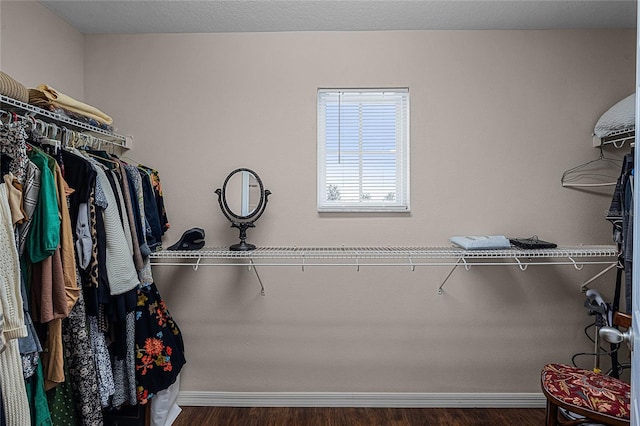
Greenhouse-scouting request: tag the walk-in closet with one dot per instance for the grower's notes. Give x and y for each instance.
(239, 204)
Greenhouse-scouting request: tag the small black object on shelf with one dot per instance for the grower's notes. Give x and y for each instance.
(192, 239)
(532, 243)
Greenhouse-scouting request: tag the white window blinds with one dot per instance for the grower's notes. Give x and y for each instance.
(363, 150)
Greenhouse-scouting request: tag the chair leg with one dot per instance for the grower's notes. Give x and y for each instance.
(551, 414)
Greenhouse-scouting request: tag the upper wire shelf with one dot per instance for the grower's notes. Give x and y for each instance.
(14, 105)
(617, 139)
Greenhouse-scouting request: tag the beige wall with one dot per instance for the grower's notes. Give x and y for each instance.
(496, 117)
(38, 47)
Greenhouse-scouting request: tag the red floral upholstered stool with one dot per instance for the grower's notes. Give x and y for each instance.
(595, 396)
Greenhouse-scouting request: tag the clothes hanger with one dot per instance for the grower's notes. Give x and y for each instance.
(87, 147)
(594, 173)
(50, 137)
(102, 159)
(137, 164)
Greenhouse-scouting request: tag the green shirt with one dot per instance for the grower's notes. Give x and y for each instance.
(44, 234)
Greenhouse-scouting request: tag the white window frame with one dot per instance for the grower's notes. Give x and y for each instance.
(358, 200)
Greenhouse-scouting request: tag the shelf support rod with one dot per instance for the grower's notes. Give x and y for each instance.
(262, 292)
(583, 287)
(440, 291)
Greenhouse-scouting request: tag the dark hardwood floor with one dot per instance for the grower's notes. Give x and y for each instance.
(279, 416)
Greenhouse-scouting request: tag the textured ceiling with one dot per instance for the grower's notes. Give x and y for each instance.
(184, 16)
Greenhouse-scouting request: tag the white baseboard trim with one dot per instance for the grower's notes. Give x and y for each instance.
(362, 399)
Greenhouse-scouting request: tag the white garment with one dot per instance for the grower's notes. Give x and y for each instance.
(10, 294)
(14, 394)
(121, 270)
(164, 408)
(84, 243)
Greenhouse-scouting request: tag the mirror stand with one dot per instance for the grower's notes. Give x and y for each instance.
(243, 245)
(243, 190)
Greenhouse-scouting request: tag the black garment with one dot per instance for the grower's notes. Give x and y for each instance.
(151, 212)
(96, 298)
(620, 214)
(159, 345)
(3, 421)
(628, 242)
(81, 177)
(5, 164)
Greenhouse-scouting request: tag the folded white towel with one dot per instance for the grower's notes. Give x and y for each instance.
(481, 242)
(621, 116)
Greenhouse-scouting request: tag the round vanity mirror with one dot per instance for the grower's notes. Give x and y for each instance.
(242, 200)
(243, 193)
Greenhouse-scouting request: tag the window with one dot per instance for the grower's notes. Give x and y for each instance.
(363, 150)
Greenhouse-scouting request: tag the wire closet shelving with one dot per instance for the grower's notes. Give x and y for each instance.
(23, 109)
(411, 257)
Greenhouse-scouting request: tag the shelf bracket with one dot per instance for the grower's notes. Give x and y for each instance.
(461, 259)
(583, 287)
(251, 264)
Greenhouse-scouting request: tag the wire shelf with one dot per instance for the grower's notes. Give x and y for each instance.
(411, 255)
(14, 105)
(578, 256)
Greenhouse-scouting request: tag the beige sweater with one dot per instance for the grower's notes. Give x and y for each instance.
(14, 395)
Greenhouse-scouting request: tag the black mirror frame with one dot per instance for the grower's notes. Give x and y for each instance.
(242, 222)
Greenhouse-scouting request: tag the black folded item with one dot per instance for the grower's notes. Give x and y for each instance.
(532, 243)
(192, 239)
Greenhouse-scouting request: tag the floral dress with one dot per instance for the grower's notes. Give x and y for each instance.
(159, 347)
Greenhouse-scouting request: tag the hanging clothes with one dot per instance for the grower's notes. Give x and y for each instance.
(121, 272)
(15, 403)
(620, 214)
(77, 281)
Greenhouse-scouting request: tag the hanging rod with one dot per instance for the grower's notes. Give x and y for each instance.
(23, 109)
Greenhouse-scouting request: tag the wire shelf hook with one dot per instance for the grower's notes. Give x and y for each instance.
(575, 264)
(197, 265)
(522, 266)
(466, 265)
